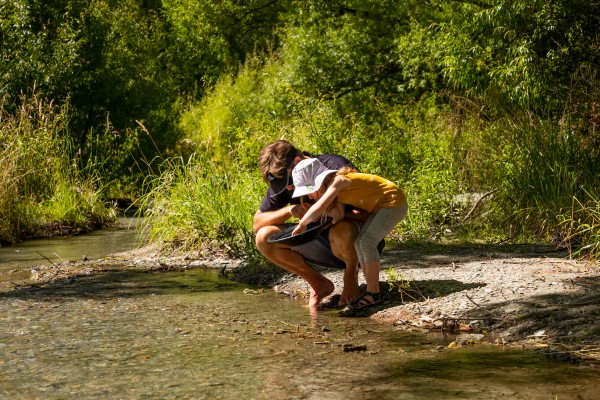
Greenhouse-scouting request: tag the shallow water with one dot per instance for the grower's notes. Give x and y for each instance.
(16, 260)
(194, 335)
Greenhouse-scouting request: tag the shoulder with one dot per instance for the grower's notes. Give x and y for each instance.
(273, 203)
(334, 161)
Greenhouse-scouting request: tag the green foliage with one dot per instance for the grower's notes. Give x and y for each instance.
(451, 99)
(209, 38)
(230, 120)
(260, 105)
(521, 52)
(582, 228)
(40, 187)
(535, 168)
(103, 58)
(396, 280)
(406, 288)
(194, 203)
(110, 158)
(546, 169)
(336, 48)
(431, 191)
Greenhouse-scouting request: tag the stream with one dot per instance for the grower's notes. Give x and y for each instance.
(193, 335)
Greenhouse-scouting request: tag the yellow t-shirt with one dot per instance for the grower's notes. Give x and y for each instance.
(371, 192)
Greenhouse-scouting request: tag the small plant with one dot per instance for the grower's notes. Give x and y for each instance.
(405, 287)
(42, 190)
(582, 236)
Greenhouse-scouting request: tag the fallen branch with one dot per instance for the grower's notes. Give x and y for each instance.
(472, 301)
(491, 192)
(47, 259)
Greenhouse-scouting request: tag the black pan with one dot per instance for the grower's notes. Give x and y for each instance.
(312, 232)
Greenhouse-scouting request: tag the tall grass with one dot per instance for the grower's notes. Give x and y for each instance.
(542, 169)
(545, 178)
(41, 188)
(582, 227)
(195, 205)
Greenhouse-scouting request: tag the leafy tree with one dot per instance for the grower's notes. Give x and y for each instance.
(123, 66)
(526, 53)
(102, 57)
(339, 47)
(208, 38)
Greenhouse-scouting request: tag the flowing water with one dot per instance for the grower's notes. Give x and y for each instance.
(193, 335)
(16, 260)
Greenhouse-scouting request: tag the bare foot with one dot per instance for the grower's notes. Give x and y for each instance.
(319, 293)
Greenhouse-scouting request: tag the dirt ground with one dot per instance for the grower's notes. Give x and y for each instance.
(526, 296)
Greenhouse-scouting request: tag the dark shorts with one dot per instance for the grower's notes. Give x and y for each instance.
(319, 252)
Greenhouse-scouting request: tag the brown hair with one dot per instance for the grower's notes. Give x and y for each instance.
(345, 170)
(273, 158)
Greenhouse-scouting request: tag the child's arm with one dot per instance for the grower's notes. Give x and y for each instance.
(315, 212)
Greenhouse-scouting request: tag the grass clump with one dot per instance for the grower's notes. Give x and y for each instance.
(540, 179)
(582, 228)
(42, 191)
(196, 203)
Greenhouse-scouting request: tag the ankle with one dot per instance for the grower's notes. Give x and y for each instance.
(373, 289)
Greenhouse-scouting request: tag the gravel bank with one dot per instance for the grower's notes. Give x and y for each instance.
(519, 295)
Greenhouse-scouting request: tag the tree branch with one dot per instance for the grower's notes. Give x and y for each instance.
(491, 192)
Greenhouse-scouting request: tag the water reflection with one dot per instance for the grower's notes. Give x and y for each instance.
(16, 260)
(192, 335)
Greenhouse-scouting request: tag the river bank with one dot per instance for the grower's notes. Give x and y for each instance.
(514, 296)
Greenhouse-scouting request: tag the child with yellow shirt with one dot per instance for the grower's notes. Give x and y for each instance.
(332, 190)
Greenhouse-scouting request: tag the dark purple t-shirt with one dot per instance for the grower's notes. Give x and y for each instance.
(273, 203)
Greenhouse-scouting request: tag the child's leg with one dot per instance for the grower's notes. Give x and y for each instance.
(371, 271)
(376, 228)
(342, 245)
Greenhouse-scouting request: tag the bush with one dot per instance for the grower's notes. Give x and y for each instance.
(193, 203)
(40, 186)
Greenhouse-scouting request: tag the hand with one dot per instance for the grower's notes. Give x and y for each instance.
(299, 229)
(336, 215)
(299, 210)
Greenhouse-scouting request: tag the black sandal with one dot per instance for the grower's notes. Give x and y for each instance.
(333, 303)
(366, 300)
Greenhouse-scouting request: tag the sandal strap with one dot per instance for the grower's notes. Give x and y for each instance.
(363, 300)
(376, 296)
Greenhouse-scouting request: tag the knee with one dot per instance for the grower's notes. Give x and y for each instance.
(261, 238)
(344, 232)
(368, 247)
(366, 241)
(342, 237)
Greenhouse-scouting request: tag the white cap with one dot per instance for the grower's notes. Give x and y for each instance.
(308, 176)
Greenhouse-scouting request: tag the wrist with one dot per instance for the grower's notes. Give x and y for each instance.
(290, 211)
